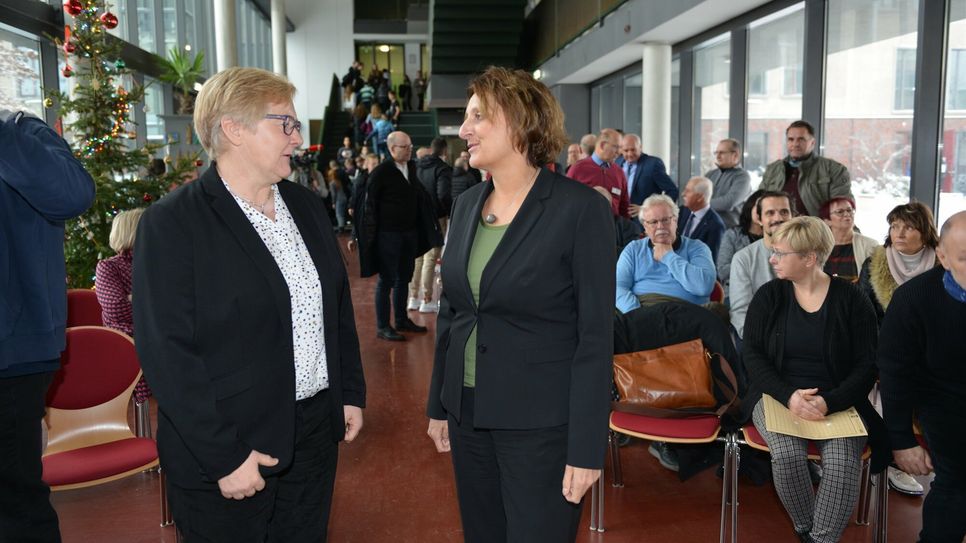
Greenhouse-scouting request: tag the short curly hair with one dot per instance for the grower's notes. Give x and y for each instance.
(532, 114)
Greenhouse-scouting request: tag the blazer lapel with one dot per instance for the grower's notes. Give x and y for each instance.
(463, 239)
(227, 209)
(526, 218)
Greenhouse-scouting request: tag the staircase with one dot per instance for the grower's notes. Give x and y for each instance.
(336, 127)
(420, 125)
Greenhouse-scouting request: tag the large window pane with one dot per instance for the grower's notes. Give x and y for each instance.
(170, 23)
(868, 99)
(632, 104)
(675, 119)
(146, 34)
(610, 110)
(775, 53)
(189, 26)
(20, 73)
(119, 8)
(952, 175)
(712, 67)
(153, 100)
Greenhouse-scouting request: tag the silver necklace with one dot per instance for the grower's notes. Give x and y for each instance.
(491, 218)
(257, 207)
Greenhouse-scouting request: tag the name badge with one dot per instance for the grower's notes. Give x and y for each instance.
(616, 191)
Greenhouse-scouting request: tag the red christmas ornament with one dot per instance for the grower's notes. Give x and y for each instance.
(199, 163)
(73, 7)
(69, 48)
(109, 20)
(147, 197)
(67, 71)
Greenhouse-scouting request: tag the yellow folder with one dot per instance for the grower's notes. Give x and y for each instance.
(780, 420)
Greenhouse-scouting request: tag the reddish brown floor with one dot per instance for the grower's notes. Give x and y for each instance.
(393, 487)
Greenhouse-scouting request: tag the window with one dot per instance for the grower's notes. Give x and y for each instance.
(775, 47)
(146, 34)
(675, 119)
(712, 75)
(20, 73)
(119, 8)
(867, 131)
(633, 113)
(153, 94)
(905, 78)
(952, 167)
(169, 18)
(757, 83)
(189, 26)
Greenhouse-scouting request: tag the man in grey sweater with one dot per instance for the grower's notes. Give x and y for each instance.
(750, 268)
(732, 184)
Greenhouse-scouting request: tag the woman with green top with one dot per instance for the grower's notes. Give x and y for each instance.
(520, 390)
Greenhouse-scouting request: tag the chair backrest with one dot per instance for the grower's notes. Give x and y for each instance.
(717, 293)
(88, 399)
(83, 309)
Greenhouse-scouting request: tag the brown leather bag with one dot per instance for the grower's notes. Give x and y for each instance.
(671, 381)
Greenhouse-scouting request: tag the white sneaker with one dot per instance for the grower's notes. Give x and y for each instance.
(413, 304)
(901, 481)
(428, 307)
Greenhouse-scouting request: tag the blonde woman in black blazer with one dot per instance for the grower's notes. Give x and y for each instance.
(245, 328)
(521, 381)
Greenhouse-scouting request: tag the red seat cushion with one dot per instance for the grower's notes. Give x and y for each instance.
(99, 461)
(697, 427)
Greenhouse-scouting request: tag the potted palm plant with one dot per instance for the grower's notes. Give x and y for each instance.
(182, 69)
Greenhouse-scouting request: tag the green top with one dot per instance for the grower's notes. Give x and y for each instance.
(484, 245)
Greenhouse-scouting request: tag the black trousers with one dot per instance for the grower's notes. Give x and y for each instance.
(509, 482)
(944, 509)
(293, 507)
(25, 511)
(396, 254)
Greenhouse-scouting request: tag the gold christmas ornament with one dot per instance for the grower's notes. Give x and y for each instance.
(48, 102)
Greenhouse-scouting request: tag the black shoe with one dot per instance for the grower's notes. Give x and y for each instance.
(409, 326)
(389, 334)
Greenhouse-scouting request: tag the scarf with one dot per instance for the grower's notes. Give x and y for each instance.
(927, 259)
(952, 287)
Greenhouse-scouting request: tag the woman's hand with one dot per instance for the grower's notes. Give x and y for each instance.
(806, 405)
(246, 480)
(576, 481)
(353, 421)
(439, 432)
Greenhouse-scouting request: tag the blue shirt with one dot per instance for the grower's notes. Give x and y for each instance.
(687, 273)
(597, 160)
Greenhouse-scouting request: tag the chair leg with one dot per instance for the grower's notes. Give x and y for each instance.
(615, 456)
(865, 490)
(593, 505)
(600, 504)
(142, 419)
(725, 486)
(166, 518)
(880, 523)
(735, 465)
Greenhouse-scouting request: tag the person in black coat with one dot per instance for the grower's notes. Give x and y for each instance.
(520, 389)
(245, 328)
(810, 343)
(462, 179)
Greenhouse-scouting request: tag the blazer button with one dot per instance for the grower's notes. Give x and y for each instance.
(482, 348)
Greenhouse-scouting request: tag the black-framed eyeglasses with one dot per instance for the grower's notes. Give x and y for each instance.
(289, 124)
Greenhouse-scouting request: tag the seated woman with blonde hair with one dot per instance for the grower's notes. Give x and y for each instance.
(810, 343)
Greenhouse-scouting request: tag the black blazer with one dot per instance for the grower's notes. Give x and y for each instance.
(544, 321)
(212, 317)
(709, 229)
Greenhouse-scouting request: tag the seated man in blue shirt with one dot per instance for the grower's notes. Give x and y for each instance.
(662, 263)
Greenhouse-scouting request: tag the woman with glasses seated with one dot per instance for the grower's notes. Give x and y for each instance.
(245, 327)
(810, 343)
(663, 267)
(851, 248)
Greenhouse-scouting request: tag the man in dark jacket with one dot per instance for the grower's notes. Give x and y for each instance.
(41, 186)
(437, 178)
(463, 178)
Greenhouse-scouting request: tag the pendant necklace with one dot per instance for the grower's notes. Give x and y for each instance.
(257, 207)
(491, 218)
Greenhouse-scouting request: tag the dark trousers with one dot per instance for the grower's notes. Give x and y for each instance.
(396, 258)
(509, 482)
(25, 511)
(293, 507)
(944, 509)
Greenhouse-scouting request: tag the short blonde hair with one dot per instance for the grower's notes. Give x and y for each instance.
(242, 94)
(806, 235)
(532, 114)
(124, 226)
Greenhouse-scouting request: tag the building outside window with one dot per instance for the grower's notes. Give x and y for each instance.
(952, 171)
(20, 79)
(870, 46)
(775, 60)
(153, 99)
(146, 33)
(170, 24)
(712, 75)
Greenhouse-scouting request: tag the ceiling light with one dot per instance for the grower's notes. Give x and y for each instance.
(538, 74)
(384, 48)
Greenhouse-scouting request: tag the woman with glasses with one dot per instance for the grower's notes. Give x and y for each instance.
(520, 390)
(245, 327)
(810, 343)
(851, 248)
(663, 267)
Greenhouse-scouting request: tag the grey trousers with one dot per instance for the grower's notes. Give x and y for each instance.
(822, 514)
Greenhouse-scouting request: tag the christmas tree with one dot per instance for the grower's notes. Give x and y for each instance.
(96, 115)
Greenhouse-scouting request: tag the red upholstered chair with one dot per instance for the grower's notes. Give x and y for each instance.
(89, 440)
(717, 293)
(83, 309)
(691, 430)
(751, 437)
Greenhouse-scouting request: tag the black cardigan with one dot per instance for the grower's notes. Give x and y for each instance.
(851, 337)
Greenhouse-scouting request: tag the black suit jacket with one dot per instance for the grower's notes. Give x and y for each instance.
(650, 178)
(709, 229)
(212, 316)
(544, 320)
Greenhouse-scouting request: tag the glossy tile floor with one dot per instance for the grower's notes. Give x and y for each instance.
(393, 487)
